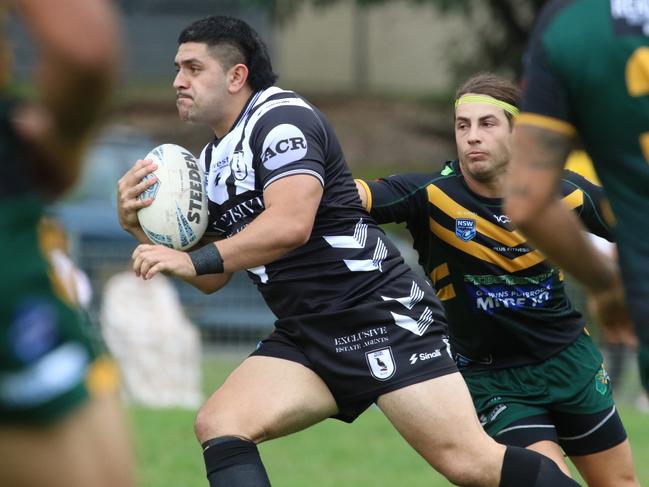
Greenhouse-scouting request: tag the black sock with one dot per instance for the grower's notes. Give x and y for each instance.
(527, 468)
(233, 462)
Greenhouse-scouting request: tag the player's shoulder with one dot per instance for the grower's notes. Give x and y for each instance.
(414, 181)
(416, 184)
(448, 177)
(275, 106)
(571, 180)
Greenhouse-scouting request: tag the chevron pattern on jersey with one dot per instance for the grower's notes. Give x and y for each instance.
(418, 327)
(416, 295)
(358, 241)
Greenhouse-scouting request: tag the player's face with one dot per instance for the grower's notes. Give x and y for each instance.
(483, 139)
(201, 85)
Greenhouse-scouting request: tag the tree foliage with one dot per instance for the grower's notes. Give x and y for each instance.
(503, 26)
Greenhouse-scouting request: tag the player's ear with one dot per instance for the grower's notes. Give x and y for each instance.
(237, 77)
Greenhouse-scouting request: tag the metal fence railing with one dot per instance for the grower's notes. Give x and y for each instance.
(234, 315)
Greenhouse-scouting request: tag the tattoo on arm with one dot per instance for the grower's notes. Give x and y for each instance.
(551, 149)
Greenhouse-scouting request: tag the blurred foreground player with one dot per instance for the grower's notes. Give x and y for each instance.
(603, 99)
(60, 420)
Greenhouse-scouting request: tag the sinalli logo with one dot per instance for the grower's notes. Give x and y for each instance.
(424, 356)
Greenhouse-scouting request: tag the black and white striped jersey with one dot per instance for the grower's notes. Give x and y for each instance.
(348, 257)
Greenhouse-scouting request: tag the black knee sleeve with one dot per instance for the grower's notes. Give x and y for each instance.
(233, 462)
(523, 467)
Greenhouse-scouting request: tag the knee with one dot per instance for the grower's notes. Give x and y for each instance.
(204, 425)
(461, 468)
(464, 474)
(216, 419)
(212, 421)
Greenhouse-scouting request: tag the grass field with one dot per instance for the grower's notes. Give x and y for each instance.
(367, 452)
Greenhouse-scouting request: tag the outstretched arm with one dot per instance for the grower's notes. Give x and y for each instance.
(532, 203)
(286, 223)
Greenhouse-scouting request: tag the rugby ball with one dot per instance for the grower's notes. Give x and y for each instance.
(177, 217)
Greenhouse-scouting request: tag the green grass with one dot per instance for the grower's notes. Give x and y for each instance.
(367, 452)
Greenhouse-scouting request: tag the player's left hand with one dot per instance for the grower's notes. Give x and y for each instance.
(149, 260)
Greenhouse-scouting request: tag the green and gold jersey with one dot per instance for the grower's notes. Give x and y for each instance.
(46, 350)
(587, 75)
(506, 305)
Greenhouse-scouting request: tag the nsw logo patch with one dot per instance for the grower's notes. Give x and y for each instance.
(381, 363)
(284, 144)
(465, 228)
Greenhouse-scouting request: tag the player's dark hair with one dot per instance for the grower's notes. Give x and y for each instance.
(492, 85)
(236, 42)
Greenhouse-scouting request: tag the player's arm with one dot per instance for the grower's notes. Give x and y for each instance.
(78, 45)
(129, 187)
(393, 199)
(286, 223)
(177, 263)
(537, 164)
(293, 187)
(364, 194)
(532, 204)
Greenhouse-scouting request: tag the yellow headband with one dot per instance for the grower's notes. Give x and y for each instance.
(489, 100)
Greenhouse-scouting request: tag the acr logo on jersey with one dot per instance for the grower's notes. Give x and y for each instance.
(465, 228)
(283, 145)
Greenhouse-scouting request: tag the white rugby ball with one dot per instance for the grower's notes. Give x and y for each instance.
(177, 217)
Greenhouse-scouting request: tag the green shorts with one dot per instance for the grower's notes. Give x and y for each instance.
(574, 381)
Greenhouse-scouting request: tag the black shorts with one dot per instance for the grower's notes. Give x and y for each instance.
(380, 345)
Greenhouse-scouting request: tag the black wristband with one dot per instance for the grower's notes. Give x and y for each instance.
(207, 260)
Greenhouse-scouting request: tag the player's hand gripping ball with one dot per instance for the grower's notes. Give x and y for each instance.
(177, 217)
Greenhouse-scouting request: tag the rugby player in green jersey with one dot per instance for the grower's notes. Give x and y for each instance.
(587, 76)
(535, 376)
(60, 422)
